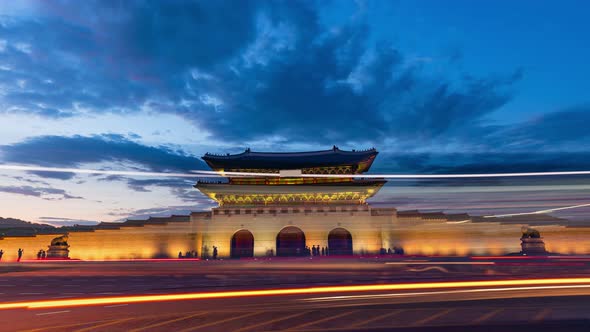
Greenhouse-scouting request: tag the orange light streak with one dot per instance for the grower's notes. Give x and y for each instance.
(288, 291)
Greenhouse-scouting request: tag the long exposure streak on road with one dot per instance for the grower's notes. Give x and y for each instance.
(290, 291)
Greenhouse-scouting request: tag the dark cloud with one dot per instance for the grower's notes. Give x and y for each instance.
(113, 56)
(46, 193)
(248, 71)
(28, 180)
(561, 130)
(59, 151)
(54, 175)
(334, 86)
(243, 70)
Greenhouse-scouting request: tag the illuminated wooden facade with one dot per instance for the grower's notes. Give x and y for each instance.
(267, 190)
(348, 192)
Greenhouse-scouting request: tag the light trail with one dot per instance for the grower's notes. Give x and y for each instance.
(97, 171)
(199, 173)
(462, 291)
(401, 176)
(205, 174)
(536, 212)
(439, 263)
(290, 291)
(459, 222)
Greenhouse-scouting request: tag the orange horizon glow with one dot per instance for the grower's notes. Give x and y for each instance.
(287, 291)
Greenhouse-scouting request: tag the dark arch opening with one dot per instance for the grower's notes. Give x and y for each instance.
(340, 242)
(290, 242)
(242, 244)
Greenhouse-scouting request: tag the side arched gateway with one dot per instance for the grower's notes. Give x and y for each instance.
(242, 244)
(290, 242)
(339, 242)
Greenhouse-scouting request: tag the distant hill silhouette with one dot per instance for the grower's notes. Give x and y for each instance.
(18, 223)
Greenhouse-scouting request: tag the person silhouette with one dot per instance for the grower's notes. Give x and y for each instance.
(43, 254)
(214, 252)
(20, 254)
(1, 254)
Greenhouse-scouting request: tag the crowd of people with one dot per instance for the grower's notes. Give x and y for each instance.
(194, 254)
(188, 254)
(317, 251)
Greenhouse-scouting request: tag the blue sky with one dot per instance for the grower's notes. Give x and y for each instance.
(436, 86)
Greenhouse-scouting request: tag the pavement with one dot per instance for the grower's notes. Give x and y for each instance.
(501, 308)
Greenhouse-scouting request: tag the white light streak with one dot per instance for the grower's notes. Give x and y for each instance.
(459, 222)
(477, 175)
(95, 171)
(402, 176)
(481, 290)
(537, 212)
(199, 173)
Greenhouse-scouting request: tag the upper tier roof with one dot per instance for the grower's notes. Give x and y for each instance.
(249, 160)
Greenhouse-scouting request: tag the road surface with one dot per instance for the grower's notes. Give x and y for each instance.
(423, 304)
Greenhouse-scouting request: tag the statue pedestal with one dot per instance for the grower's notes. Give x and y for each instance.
(533, 246)
(58, 252)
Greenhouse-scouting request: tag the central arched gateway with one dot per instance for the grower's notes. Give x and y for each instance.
(291, 242)
(340, 242)
(242, 244)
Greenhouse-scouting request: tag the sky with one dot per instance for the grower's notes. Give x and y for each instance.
(436, 86)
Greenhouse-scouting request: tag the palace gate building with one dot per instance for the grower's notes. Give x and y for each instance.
(292, 201)
(279, 210)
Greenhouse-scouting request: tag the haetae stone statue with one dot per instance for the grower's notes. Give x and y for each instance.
(60, 241)
(59, 248)
(530, 233)
(531, 242)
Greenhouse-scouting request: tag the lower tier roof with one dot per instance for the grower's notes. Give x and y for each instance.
(247, 195)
